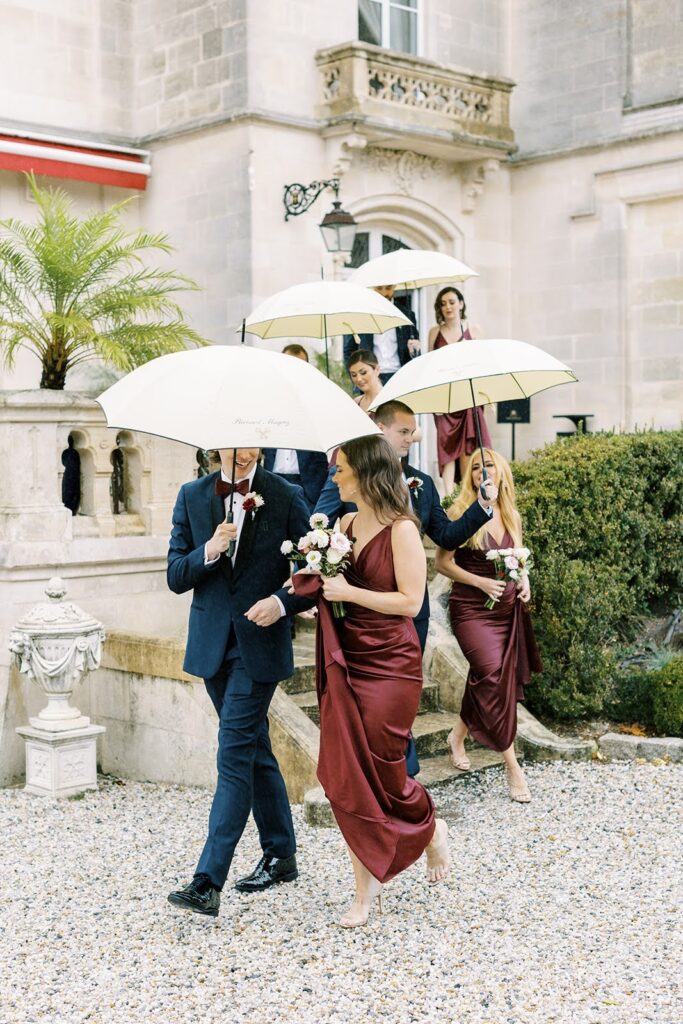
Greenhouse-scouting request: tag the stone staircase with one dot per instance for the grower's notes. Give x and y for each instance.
(445, 672)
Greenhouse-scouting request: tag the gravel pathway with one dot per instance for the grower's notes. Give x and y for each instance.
(565, 910)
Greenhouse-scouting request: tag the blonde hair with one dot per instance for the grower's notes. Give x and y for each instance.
(506, 499)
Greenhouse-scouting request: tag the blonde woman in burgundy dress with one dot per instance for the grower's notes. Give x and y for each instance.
(498, 643)
(369, 679)
(456, 433)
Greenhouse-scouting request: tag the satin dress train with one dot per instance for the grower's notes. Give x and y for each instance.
(369, 681)
(456, 432)
(499, 645)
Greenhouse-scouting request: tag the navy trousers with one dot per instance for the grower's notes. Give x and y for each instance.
(249, 777)
(412, 763)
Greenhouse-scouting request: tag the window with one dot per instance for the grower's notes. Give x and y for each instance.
(389, 23)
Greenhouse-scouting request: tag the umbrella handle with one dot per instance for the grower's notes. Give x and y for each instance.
(477, 427)
(229, 517)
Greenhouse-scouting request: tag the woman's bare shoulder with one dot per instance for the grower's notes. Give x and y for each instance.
(433, 331)
(404, 529)
(345, 520)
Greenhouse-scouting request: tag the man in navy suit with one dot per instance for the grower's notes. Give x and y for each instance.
(394, 348)
(306, 469)
(397, 422)
(239, 643)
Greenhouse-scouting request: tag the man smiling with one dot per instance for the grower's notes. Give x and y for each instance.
(239, 642)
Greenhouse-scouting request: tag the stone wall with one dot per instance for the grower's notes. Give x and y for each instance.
(585, 70)
(114, 565)
(190, 64)
(68, 66)
(468, 34)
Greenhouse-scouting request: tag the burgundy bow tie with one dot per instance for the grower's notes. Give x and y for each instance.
(224, 489)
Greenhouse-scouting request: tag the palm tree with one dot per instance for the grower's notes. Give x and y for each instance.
(78, 288)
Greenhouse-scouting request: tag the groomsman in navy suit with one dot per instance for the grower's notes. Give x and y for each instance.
(239, 643)
(397, 422)
(306, 469)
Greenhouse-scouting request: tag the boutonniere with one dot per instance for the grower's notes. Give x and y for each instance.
(252, 503)
(414, 484)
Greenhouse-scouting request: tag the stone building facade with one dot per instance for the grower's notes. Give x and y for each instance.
(541, 143)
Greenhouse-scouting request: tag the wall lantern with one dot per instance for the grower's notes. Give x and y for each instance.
(337, 227)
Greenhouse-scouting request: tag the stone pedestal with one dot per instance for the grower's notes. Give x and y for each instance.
(62, 763)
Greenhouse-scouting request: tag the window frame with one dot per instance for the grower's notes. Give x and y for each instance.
(385, 8)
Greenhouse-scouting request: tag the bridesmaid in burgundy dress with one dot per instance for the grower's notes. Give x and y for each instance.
(456, 433)
(499, 644)
(369, 679)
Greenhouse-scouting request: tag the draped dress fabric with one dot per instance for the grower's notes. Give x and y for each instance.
(499, 645)
(456, 432)
(369, 681)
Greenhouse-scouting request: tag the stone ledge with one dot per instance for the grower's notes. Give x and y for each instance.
(146, 656)
(538, 743)
(623, 747)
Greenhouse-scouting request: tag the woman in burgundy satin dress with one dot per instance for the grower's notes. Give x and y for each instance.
(369, 679)
(456, 432)
(499, 643)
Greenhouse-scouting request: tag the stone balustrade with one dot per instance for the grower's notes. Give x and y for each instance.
(384, 94)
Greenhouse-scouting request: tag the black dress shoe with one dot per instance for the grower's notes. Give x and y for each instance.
(269, 871)
(199, 896)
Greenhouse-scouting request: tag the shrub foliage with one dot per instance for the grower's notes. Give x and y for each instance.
(603, 515)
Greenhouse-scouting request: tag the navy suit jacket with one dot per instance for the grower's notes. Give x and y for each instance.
(312, 470)
(404, 334)
(434, 522)
(222, 594)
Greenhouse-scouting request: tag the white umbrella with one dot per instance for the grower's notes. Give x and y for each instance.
(411, 268)
(235, 397)
(321, 310)
(473, 373)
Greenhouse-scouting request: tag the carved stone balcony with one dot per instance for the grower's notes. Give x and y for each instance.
(405, 102)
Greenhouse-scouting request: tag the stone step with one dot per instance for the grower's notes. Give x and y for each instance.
(437, 770)
(430, 731)
(434, 772)
(308, 702)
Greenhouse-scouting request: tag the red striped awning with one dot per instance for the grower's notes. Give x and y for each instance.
(61, 158)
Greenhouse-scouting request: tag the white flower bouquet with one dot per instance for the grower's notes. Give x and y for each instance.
(323, 550)
(511, 565)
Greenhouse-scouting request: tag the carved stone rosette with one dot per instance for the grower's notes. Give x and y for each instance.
(55, 645)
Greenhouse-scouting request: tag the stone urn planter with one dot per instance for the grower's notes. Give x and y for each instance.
(55, 645)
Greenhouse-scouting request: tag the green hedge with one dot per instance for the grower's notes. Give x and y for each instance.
(651, 697)
(603, 515)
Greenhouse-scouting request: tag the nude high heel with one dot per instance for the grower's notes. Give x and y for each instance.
(519, 794)
(463, 764)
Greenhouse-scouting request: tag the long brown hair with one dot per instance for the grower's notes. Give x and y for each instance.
(507, 506)
(380, 480)
(437, 304)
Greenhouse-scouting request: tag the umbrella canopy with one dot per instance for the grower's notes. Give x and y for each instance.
(411, 268)
(235, 397)
(323, 309)
(474, 373)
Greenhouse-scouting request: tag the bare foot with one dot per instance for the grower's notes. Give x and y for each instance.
(438, 855)
(358, 913)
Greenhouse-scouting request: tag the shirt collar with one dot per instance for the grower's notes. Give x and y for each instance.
(250, 478)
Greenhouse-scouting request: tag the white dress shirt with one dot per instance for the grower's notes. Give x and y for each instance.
(386, 350)
(286, 461)
(238, 520)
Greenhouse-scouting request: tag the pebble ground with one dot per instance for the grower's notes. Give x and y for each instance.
(565, 910)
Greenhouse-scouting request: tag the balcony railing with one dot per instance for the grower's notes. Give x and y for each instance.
(388, 93)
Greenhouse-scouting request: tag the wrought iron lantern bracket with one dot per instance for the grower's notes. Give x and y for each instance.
(298, 198)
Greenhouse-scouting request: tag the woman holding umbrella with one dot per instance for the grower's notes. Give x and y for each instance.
(497, 641)
(456, 433)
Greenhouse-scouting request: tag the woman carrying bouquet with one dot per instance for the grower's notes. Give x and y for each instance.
(369, 678)
(498, 642)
